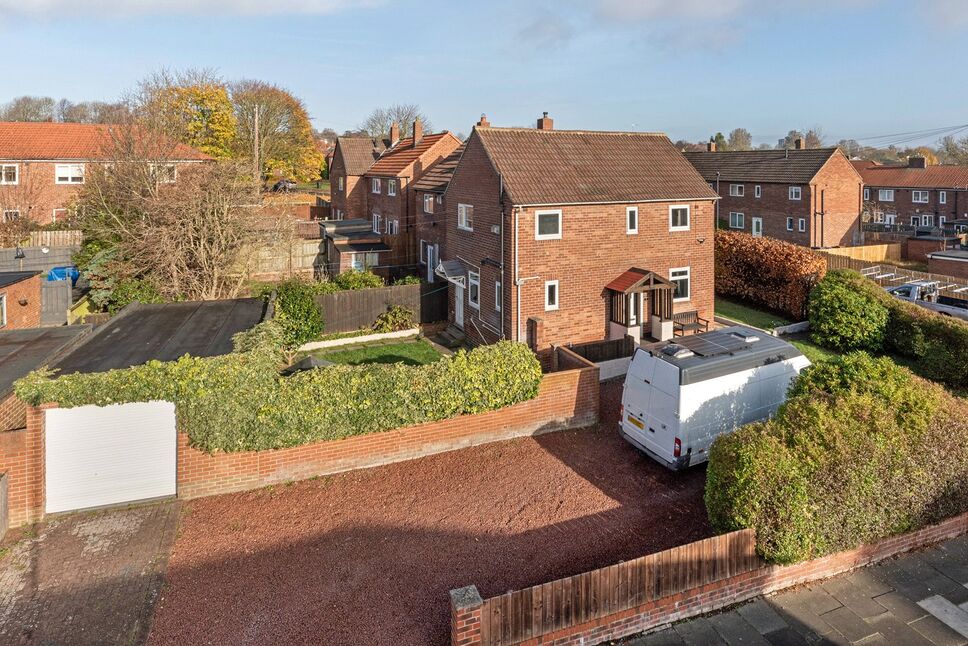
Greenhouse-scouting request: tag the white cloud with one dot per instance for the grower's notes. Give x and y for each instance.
(125, 8)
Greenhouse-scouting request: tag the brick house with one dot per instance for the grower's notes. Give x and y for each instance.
(43, 164)
(352, 157)
(430, 211)
(917, 194)
(352, 245)
(20, 299)
(569, 236)
(811, 197)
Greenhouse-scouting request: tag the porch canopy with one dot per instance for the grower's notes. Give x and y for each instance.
(623, 291)
(453, 272)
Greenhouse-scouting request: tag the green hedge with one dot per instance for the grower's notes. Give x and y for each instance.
(846, 311)
(238, 402)
(862, 450)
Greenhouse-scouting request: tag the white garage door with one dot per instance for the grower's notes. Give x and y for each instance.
(105, 455)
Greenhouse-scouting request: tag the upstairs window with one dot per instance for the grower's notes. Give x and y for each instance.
(69, 173)
(498, 296)
(474, 289)
(737, 220)
(428, 203)
(547, 225)
(11, 215)
(440, 199)
(737, 190)
(919, 197)
(801, 225)
(551, 295)
(885, 195)
(942, 197)
(632, 219)
(757, 191)
(393, 227)
(796, 192)
(465, 217)
(789, 224)
(377, 223)
(391, 187)
(375, 185)
(9, 174)
(867, 194)
(679, 217)
(339, 183)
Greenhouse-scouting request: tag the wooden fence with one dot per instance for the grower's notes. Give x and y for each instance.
(888, 275)
(526, 614)
(870, 252)
(351, 310)
(66, 238)
(598, 351)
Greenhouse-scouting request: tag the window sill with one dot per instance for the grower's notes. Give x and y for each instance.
(540, 238)
(674, 229)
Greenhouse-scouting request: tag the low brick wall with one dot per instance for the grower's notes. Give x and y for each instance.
(470, 626)
(22, 461)
(565, 400)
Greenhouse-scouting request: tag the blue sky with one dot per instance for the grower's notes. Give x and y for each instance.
(855, 68)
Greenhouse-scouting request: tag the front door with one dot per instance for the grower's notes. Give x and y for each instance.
(757, 227)
(459, 307)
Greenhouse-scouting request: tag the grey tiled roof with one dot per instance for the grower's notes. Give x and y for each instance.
(780, 166)
(359, 153)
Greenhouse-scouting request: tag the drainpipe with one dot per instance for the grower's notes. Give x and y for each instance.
(717, 201)
(517, 279)
(504, 281)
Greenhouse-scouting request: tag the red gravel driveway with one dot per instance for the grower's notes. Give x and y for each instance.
(368, 557)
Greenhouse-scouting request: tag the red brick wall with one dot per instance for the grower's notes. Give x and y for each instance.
(565, 400)
(841, 190)
(919, 248)
(23, 316)
(774, 207)
(429, 227)
(22, 460)
(955, 268)
(13, 413)
(956, 205)
(466, 614)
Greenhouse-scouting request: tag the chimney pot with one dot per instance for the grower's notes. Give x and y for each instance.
(483, 123)
(798, 143)
(394, 133)
(417, 132)
(546, 122)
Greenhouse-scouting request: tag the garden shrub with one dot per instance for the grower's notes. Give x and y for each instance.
(843, 318)
(129, 290)
(239, 402)
(409, 279)
(396, 318)
(862, 450)
(297, 312)
(768, 272)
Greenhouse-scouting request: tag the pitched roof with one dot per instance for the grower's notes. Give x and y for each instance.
(396, 160)
(45, 140)
(8, 278)
(581, 167)
(359, 153)
(906, 177)
(781, 166)
(438, 177)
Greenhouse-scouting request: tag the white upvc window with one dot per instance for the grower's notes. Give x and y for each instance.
(915, 220)
(758, 191)
(465, 217)
(474, 289)
(796, 192)
(631, 219)
(885, 195)
(867, 194)
(364, 261)
(3, 310)
(919, 197)
(9, 174)
(679, 276)
(801, 225)
(428, 203)
(440, 199)
(737, 220)
(551, 295)
(547, 225)
(391, 187)
(375, 185)
(339, 183)
(498, 296)
(789, 223)
(927, 220)
(164, 173)
(423, 252)
(69, 173)
(377, 223)
(393, 227)
(679, 217)
(737, 190)
(942, 197)
(11, 215)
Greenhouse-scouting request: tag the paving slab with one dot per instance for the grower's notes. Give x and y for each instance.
(901, 607)
(864, 580)
(849, 624)
(762, 616)
(853, 597)
(790, 637)
(895, 631)
(952, 564)
(948, 613)
(736, 631)
(698, 632)
(667, 637)
(937, 632)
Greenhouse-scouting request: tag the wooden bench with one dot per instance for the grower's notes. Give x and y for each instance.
(684, 322)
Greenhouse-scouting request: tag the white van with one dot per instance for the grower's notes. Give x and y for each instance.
(680, 396)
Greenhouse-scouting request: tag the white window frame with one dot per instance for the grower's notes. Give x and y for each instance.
(537, 222)
(741, 219)
(339, 183)
(758, 191)
(920, 197)
(377, 223)
(3, 174)
(802, 225)
(795, 191)
(789, 224)
(164, 178)
(440, 199)
(942, 197)
(474, 280)
(68, 173)
(550, 307)
(428, 205)
(687, 207)
(915, 220)
(392, 187)
(737, 190)
(630, 213)
(687, 276)
(464, 222)
(927, 219)
(393, 227)
(3, 310)
(498, 295)
(885, 195)
(7, 213)
(423, 252)
(867, 194)
(375, 186)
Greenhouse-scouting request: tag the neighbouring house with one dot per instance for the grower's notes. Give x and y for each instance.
(563, 236)
(20, 299)
(951, 262)
(353, 245)
(807, 196)
(43, 164)
(917, 194)
(352, 157)
(430, 209)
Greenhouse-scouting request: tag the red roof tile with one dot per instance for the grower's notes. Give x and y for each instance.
(359, 153)
(44, 140)
(438, 177)
(949, 177)
(395, 161)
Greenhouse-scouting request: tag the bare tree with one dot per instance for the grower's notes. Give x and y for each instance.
(90, 112)
(28, 108)
(18, 202)
(403, 114)
(740, 139)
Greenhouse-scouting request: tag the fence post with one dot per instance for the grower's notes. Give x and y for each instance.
(465, 616)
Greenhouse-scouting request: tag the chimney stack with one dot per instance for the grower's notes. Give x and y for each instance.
(546, 122)
(798, 143)
(394, 133)
(483, 123)
(711, 146)
(417, 132)
(917, 161)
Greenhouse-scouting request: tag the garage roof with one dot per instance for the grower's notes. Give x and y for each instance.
(22, 351)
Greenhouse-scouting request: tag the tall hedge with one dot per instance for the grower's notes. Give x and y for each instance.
(846, 313)
(239, 402)
(766, 271)
(862, 450)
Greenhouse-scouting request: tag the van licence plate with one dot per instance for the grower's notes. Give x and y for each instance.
(636, 422)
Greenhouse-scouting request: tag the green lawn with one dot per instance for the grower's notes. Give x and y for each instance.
(412, 353)
(813, 351)
(748, 314)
